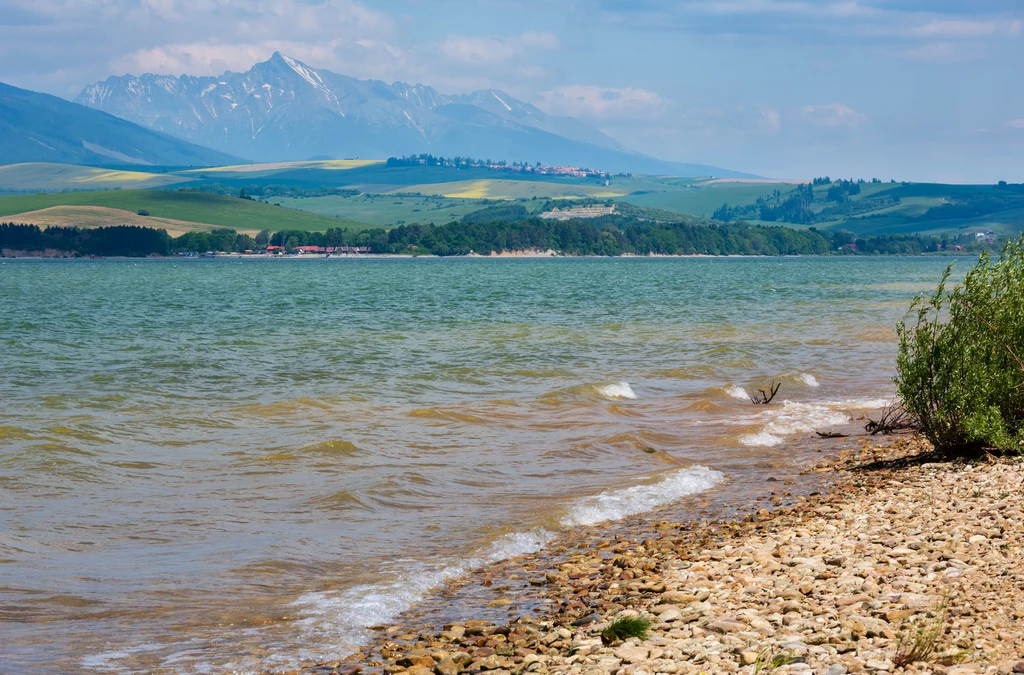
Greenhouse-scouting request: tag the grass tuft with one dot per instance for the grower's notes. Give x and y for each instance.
(768, 660)
(920, 642)
(627, 627)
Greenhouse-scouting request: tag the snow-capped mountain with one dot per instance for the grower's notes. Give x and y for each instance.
(282, 109)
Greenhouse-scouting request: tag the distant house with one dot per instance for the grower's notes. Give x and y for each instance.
(275, 250)
(307, 250)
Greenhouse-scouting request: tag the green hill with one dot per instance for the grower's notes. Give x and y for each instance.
(50, 177)
(193, 207)
(887, 208)
(38, 127)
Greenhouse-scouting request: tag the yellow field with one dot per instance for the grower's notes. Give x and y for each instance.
(509, 189)
(101, 216)
(328, 164)
(47, 176)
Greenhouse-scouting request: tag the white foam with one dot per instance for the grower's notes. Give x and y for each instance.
(109, 660)
(760, 440)
(737, 392)
(797, 418)
(330, 615)
(809, 380)
(794, 418)
(617, 391)
(618, 504)
(336, 622)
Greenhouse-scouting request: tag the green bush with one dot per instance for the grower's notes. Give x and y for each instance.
(627, 627)
(959, 367)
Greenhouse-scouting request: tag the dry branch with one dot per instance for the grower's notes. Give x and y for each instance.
(765, 396)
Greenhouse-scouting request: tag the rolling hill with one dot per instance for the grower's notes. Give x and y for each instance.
(38, 127)
(50, 177)
(283, 109)
(120, 207)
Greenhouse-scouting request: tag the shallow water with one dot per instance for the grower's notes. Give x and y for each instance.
(216, 466)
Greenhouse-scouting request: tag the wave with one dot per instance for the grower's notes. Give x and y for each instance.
(809, 380)
(350, 613)
(640, 498)
(618, 390)
(761, 439)
(795, 418)
(737, 392)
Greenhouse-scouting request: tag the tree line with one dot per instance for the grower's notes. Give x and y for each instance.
(608, 236)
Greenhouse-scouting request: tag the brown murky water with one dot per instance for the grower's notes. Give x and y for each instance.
(212, 466)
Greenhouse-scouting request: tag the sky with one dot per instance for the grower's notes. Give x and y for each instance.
(906, 89)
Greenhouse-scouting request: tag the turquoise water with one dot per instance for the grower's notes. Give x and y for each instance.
(212, 466)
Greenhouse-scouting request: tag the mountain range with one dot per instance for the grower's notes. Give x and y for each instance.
(38, 127)
(282, 109)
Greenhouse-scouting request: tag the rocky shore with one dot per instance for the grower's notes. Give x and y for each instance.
(906, 564)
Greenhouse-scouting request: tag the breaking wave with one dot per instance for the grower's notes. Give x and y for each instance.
(617, 504)
(737, 392)
(618, 390)
(327, 615)
(796, 418)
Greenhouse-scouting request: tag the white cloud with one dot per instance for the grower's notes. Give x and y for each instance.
(489, 50)
(955, 29)
(1016, 124)
(834, 115)
(826, 9)
(770, 120)
(603, 103)
(946, 52)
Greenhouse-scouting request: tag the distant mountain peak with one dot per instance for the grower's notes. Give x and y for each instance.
(284, 109)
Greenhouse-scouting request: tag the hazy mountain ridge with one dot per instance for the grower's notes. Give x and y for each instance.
(282, 109)
(38, 127)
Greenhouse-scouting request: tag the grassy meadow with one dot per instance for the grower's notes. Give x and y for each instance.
(320, 194)
(191, 207)
(46, 177)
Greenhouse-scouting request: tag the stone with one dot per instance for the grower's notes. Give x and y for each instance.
(677, 598)
(632, 654)
(670, 616)
(748, 658)
(837, 669)
(446, 666)
(725, 625)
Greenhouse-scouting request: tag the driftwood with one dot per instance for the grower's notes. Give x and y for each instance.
(765, 396)
(830, 434)
(894, 418)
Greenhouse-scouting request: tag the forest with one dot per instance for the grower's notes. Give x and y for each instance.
(609, 236)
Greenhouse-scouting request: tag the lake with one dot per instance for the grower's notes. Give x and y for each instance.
(223, 465)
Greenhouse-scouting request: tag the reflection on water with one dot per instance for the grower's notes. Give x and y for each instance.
(215, 465)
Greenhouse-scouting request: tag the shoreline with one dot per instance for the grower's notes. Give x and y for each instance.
(834, 577)
(507, 255)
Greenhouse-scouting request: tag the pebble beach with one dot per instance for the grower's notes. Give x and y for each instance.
(902, 562)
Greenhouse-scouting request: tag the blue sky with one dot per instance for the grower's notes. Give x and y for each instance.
(902, 89)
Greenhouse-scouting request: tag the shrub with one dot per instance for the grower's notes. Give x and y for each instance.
(959, 368)
(142, 212)
(627, 627)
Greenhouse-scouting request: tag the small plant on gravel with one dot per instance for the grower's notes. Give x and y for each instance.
(768, 660)
(960, 366)
(627, 627)
(920, 641)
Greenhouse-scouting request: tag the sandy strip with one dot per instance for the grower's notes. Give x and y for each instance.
(903, 544)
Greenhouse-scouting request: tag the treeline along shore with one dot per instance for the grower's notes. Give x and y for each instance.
(609, 236)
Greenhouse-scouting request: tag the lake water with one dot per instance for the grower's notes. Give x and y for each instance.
(220, 466)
